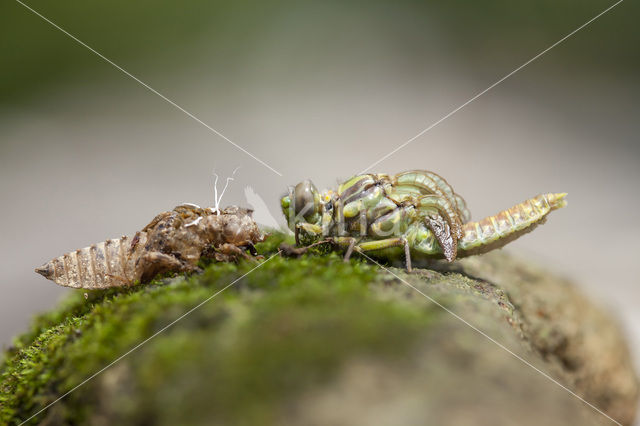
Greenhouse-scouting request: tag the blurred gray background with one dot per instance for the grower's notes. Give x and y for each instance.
(317, 90)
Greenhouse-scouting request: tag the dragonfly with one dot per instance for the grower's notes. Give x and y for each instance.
(415, 213)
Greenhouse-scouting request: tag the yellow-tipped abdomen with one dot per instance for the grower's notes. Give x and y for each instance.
(497, 230)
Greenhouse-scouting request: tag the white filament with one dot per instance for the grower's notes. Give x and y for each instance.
(217, 198)
(191, 204)
(195, 222)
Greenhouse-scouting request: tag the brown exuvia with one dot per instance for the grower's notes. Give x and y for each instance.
(173, 241)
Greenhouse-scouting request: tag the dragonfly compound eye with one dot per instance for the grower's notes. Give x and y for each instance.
(306, 199)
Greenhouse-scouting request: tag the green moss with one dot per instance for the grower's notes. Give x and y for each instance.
(283, 328)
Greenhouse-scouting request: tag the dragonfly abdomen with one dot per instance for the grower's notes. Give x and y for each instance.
(497, 230)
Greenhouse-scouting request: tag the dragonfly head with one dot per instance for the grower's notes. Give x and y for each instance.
(302, 204)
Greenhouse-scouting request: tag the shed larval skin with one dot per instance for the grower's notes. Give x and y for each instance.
(173, 241)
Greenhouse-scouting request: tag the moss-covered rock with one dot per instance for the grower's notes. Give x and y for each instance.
(315, 340)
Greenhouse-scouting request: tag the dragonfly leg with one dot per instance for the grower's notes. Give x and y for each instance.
(291, 251)
(155, 262)
(377, 245)
(352, 244)
(407, 254)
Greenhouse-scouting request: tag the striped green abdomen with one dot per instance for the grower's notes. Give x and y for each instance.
(495, 231)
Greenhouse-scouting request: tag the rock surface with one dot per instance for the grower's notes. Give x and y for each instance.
(316, 341)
